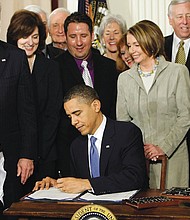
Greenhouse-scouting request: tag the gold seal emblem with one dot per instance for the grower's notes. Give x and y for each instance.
(93, 212)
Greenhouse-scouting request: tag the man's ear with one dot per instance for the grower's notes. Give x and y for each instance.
(170, 20)
(96, 105)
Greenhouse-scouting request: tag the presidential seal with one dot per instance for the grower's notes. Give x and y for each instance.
(93, 212)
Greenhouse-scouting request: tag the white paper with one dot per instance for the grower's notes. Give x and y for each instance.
(51, 194)
(116, 197)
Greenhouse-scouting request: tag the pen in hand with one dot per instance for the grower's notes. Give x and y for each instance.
(59, 174)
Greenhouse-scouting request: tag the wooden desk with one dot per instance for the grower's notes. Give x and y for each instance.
(67, 209)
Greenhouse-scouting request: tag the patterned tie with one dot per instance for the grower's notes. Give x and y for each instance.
(86, 75)
(94, 158)
(180, 57)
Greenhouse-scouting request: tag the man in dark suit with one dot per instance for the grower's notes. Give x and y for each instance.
(179, 18)
(56, 27)
(119, 145)
(103, 73)
(18, 132)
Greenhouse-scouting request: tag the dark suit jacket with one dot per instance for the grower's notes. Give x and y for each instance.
(168, 50)
(48, 94)
(105, 78)
(122, 164)
(105, 83)
(17, 109)
(18, 129)
(52, 52)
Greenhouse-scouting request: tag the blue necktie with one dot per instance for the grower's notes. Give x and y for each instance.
(94, 158)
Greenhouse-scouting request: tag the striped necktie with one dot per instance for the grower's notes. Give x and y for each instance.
(86, 74)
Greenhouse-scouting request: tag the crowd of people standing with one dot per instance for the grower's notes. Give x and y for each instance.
(136, 96)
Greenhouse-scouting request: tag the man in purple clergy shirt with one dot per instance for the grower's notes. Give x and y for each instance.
(103, 75)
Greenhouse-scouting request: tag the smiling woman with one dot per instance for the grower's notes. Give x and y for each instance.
(27, 31)
(112, 28)
(152, 95)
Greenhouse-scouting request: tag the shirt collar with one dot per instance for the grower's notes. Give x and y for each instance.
(100, 131)
(88, 59)
(177, 40)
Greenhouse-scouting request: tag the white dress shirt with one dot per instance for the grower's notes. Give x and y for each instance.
(99, 135)
(175, 47)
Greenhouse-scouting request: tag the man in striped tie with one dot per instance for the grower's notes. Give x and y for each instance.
(107, 157)
(177, 45)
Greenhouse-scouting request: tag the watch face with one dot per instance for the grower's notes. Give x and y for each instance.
(93, 212)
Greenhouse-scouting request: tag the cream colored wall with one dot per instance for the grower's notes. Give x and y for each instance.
(136, 10)
(8, 7)
(131, 10)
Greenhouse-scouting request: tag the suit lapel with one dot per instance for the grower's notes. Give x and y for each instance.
(134, 74)
(98, 69)
(4, 56)
(188, 61)
(74, 68)
(107, 145)
(168, 47)
(39, 68)
(84, 154)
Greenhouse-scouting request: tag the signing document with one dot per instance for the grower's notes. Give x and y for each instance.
(56, 194)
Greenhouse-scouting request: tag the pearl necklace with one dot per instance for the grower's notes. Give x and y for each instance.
(144, 74)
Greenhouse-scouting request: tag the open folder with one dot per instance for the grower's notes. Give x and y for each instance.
(57, 195)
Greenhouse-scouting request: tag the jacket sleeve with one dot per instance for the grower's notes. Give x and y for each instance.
(51, 113)
(121, 105)
(179, 129)
(26, 111)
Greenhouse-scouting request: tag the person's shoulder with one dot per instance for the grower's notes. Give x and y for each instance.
(168, 37)
(122, 126)
(63, 56)
(99, 57)
(9, 47)
(80, 139)
(42, 58)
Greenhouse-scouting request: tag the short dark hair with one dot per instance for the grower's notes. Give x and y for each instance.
(149, 36)
(22, 24)
(84, 92)
(78, 17)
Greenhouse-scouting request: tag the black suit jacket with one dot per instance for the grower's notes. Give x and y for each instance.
(168, 50)
(52, 52)
(48, 94)
(105, 83)
(18, 127)
(122, 161)
(17, 107)
(105, 78)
